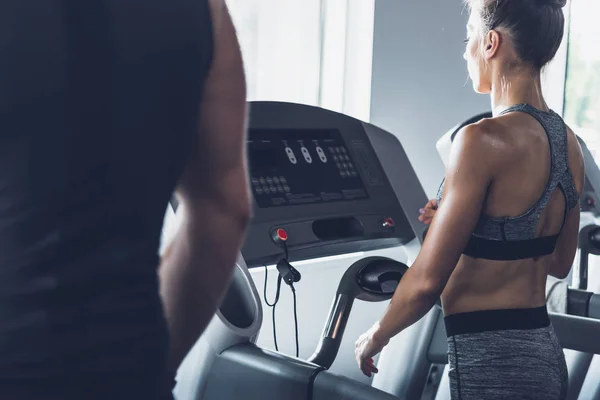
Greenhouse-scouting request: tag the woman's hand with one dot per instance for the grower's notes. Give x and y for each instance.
(368, 346)
(428, 212)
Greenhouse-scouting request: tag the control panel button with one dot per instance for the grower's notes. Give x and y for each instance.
(273, 189)
(276, 180)
(590, 201)
(286, 188)
(266, 190)
(280, 188)
(262, 180)
(306, 154)
(259, 190)
(321, 154)
(291, 155)
(282, 179)
(255, 181)
(269, 180)
(280, 236)
(389, 223)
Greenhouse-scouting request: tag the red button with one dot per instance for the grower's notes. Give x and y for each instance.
(282, 235)
(389, 223)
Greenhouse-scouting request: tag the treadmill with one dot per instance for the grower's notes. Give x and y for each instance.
(579, 302)
(350, 188)
(324, 184)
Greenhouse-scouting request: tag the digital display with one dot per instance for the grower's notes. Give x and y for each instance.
(295, 166)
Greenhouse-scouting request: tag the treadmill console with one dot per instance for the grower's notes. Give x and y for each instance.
(325, 184)
(302, 166)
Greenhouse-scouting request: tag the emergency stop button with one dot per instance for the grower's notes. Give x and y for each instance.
(389, 223)
(280, 236)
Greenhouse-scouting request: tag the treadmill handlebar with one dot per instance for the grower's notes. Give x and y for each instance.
(583, 304)
(589, 239)
(578, 302)
(589, 243)
(331, 338)
(594, 307)
(371, 279)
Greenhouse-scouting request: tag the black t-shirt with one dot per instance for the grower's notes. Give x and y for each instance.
(99, 104)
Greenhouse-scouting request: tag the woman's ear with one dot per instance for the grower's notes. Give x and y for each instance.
(491, 44)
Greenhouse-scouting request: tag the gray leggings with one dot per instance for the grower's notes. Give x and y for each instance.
(505, 354)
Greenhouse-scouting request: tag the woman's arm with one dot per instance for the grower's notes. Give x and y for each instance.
(469, 174)
(566, 246)
(468, 177)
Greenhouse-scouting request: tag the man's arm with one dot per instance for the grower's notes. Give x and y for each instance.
(214, 197)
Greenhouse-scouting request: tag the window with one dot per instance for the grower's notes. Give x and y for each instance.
(280, 42)
(315, 52)
(582, 88)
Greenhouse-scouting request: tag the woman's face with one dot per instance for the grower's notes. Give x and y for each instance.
(478, 68)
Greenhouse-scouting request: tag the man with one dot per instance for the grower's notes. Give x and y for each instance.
(106, 108)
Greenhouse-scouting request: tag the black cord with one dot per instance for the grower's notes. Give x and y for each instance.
(274, 329)
(265, 290)
(274, 303)
(277, 293)
(285, 249)
(295, 320)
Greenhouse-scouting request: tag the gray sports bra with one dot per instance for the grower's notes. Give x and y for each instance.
(513, 238)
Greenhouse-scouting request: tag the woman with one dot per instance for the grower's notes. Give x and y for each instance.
(506, 217)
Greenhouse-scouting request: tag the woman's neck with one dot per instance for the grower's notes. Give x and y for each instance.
(517, 88)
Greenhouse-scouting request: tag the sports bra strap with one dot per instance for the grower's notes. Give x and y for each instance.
(510, 250)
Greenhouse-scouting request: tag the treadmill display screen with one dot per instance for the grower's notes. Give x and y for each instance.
(302, 166)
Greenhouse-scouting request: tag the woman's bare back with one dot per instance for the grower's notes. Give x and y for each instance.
(481, 284)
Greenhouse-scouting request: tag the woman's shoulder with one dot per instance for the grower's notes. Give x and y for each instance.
(485, 141)
(488, 129)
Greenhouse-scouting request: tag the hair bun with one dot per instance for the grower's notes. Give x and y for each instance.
(553, 3)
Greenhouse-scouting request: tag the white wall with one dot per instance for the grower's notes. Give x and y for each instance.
(420, 86)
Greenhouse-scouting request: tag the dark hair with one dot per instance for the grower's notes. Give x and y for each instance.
(535, 26)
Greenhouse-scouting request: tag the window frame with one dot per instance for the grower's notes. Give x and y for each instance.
(554, 75)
